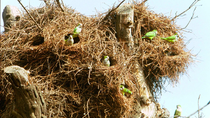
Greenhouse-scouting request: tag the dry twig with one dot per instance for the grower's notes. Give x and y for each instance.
(143, 2)
(58, 2)
(198, 106)
(199, 109)
(193, 4)
(192, 17)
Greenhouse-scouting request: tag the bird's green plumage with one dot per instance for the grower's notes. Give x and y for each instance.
(178, 111)
(172, 38)
(127, 90)
(124, 90)
(150, 34)
(77, 30)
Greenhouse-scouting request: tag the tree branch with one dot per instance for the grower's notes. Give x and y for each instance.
(30, 15)
(193, 4)
(192, 17)
(199, 109)
(198, 106)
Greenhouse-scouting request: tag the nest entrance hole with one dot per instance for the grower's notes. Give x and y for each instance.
(37, 40)
(76, 39)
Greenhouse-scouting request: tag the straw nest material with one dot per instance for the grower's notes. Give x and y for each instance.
(73, 81)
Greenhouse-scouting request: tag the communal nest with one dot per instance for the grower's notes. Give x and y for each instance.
(73, 81)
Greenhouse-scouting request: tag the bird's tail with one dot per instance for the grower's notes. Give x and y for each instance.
(128, 91)
(143, 37)
(163, 38)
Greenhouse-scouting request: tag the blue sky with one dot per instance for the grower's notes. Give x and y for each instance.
(197, 81)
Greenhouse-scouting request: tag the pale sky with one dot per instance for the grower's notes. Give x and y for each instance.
(197, 81)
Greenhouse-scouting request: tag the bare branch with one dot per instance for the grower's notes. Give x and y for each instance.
(198, 106)
(59, 4)
(30, 15)
(199, 109)
(192, 17)
(193, 4)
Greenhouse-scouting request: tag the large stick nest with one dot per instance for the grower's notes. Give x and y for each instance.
(72, 79)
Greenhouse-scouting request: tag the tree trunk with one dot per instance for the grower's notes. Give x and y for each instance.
(28, 101)
(144, 106)
(124, 23)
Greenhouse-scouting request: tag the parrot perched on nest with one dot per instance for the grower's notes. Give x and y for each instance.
(106, 61)
(150, 34)
(172, 38)
(77, 30)
(69, 41)
(178, 111)
(124, 90)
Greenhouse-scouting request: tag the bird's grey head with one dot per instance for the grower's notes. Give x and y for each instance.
(70, 37)
(176, 35)
(155, 31)
(178, 106)
(80, 24)
(122, 87)
(106, 57)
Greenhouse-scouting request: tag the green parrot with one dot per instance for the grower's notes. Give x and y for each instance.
(172, 38)
(178, 111)
(124, 90)
(77, 30)
(69, 41)
(150, 34)
(106, 61)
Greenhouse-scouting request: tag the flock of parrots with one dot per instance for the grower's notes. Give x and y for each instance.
(150, 35)
(106, 62)
(153, 33)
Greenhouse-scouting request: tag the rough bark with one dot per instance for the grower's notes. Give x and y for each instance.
(124, 23)
(28, 101)
(144, 105)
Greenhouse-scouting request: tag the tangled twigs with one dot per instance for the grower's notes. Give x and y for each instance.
(111, 11)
